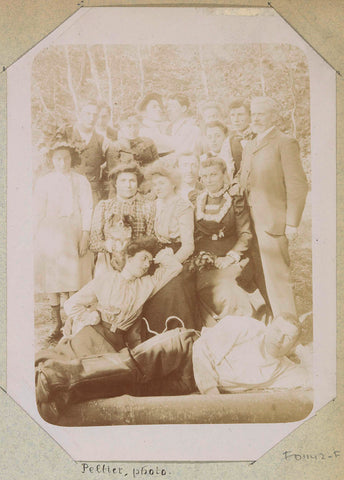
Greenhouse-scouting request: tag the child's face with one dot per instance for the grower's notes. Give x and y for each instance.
(62, 160)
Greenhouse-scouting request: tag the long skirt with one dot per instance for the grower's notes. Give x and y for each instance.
(220, 294)
(177, 298)
(58, 266)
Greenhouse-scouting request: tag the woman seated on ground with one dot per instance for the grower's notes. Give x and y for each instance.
(115, 221)
(222, 238)
(174, 227)
(104, 316)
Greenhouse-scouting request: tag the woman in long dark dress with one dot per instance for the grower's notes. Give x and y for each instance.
(174, 227)
(222, 229)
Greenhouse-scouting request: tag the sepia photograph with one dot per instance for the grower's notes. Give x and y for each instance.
(172, 233)
(176, 221)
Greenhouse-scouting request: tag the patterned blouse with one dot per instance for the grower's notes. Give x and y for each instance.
(108, 213)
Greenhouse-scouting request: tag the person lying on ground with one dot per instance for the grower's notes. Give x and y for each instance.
(239, 354)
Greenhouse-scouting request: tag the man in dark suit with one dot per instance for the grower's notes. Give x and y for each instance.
(276, 188)
(94, 149)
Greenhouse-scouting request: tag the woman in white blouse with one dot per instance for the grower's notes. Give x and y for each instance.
(173, 227)
(174, 218)
(63, 207)
(105, 315)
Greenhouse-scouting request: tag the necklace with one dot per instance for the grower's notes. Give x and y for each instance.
(202, 201)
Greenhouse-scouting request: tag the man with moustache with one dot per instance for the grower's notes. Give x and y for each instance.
(276, 187)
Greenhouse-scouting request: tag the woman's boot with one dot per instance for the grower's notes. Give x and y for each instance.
(56, 334)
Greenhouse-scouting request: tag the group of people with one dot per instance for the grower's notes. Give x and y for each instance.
(164, 222)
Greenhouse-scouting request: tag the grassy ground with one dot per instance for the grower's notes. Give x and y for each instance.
(301, 266)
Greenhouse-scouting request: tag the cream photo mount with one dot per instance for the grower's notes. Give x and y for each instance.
(147, 26)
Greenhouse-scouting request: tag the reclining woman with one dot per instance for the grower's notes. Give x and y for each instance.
(105, 315)
(117, 220)
(173, 227)
(224, 280)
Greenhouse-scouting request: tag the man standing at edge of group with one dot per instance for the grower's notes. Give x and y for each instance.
(276, 187)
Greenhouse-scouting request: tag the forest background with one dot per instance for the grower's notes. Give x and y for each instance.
(121, 74)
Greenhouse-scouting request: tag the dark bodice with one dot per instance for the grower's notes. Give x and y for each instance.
(228, 228)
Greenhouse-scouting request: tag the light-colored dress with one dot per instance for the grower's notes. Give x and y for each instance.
(63, 207)
(174, 223)
(174, 227)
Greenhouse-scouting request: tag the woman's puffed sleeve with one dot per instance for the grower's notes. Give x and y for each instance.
(86, 203)
(242, 220)
(97, 239)
(169, 268)
(185, 215)
(77, 304)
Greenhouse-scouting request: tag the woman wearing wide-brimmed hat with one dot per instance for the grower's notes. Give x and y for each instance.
(63, 213)
(128, 215)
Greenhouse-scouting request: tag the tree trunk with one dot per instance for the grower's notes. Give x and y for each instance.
(94, 72)
(70, 80)
(44, 105)
(261, 71)
(142, 73)
(292, 89)
(203, 72)
(108, 74)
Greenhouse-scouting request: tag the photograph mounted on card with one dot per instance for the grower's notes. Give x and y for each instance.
(173, 275)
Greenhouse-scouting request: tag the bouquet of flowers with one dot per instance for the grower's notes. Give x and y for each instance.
(203, 260)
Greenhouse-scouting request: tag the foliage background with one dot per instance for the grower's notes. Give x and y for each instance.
(121, 74)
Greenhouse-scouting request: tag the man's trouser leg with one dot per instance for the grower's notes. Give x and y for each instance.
(276, 266)
(60, 382)
(165, 362)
